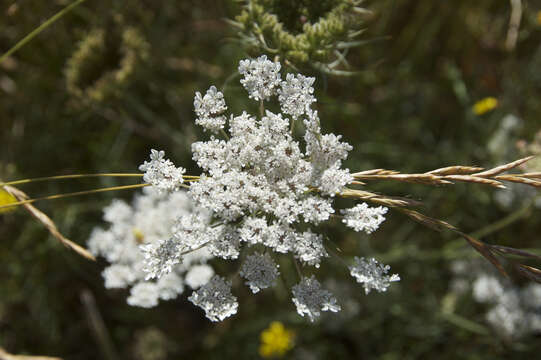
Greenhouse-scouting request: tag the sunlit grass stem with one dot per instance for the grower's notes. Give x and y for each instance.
(72, 176)
(77, 193)
(39, 29)
(78, 176)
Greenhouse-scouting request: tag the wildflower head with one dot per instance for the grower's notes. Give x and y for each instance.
(485, 105)
(216, 299)
(142, 228)
(261, 186)
(276, 340)
(372, 274)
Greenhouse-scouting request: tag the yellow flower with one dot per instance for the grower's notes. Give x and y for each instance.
(276, 340)
(485, 105)
(538, 17)
(5, 199)
(139, 236)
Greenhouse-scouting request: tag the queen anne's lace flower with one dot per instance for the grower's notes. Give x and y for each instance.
(162, 173)
(311, 299)
(372, 274)
(364, 218)
(216, 299)
(259, 186)
(146, 223)
(513, 311)
(260, 271)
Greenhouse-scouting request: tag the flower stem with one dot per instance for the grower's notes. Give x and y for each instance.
(39, 29)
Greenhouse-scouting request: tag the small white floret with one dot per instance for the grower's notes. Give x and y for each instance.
(161, 173)
(260, 271)
(311, 299)
(372, 274)
(364, 218)
(216, 299)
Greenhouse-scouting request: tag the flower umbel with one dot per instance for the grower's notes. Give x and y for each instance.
(372, 274)
(259, 187)
(147, 224)
(161, 173)
(310, 298)
(216, 299)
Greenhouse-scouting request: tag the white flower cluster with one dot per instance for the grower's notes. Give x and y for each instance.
(296, 94)
(310, 298)
(263, 188)
(515, 311)
(372, 274)
(161, 173)
(260, 271)
(144, 224)
(209, 109)
(216, 299)
(261, 77)
(363, 218)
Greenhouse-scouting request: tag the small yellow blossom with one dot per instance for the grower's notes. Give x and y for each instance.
(538, 18)
(276, 340)
(139, 236)
(485, 105)
(5, 199)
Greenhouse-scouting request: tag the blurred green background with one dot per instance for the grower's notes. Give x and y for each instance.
(112, 79)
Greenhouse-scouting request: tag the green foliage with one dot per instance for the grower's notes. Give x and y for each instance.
(300, 32)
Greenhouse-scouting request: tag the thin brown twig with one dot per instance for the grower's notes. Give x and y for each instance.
(49, 224)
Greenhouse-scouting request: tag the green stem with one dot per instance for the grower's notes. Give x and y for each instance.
(40, 28)
(297, 267)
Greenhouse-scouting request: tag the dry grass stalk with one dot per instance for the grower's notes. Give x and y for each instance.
(451, 174)
(534, 175)
(456, 170)
(485, 250)
(49, 224)
(519, 179)
(488, 251)
(432, 223)
(377, 199)
(503, 168)
(529, 272)
(4, 355)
